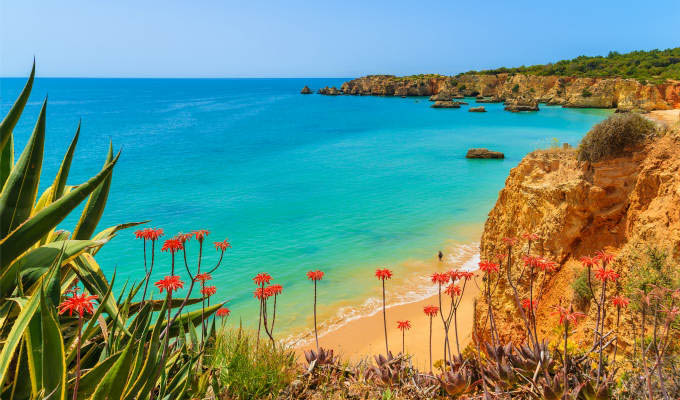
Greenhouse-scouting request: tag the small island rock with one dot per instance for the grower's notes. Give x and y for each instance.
(484, 153)
(477, 109)
(306, 90)
(445, 104)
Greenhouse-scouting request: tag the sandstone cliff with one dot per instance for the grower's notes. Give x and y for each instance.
(621, 205)
(620, 93)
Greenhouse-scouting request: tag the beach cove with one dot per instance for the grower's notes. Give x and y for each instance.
(342, 184)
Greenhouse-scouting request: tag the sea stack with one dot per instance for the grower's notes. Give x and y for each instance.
(484, 153)
(477, 109)
(306, 90)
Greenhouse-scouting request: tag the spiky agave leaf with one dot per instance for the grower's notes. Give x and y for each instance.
(10, 121)
(94, 208)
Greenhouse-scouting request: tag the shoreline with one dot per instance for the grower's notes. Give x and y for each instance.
(358, 333)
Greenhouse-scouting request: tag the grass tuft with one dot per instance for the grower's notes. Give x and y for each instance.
(247, 373)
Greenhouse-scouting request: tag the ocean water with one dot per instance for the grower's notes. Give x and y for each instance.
(342, 184)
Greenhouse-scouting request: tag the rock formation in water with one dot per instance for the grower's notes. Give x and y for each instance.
(306, 90)
(477, 109)
(619, 93)
(521, 103)
(484, 153)
(332, 91)
(622, 205)
(445, 104)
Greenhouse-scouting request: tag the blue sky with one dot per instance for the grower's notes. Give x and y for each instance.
(222, 38)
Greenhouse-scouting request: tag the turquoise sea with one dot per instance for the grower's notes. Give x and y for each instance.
(342, 184)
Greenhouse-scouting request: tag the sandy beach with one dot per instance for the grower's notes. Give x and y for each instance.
(364, 337)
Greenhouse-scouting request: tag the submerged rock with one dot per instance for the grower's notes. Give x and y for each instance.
(445, 104)
(484, 153)
(477, 109)
(306, 90)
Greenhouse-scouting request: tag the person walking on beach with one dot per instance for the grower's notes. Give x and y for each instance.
(441, 256)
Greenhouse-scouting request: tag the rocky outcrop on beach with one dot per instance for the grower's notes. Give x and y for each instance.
(477, 109)
(445, 104)
(619, 93)
(622, 205)
(521, 103)
(484, 153)
(306, 90)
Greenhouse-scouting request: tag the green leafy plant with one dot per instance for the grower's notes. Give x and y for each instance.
(113, 352)
(586, 93)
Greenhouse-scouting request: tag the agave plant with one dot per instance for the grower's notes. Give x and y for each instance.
(39, 264)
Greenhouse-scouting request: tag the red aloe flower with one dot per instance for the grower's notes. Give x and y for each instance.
(262, 278)
(142, 233)
(431, 311)
(620, 301)
(275, 289)
(568, 315)
(467, 275)
(488, 267)
(530, 236)
(510, 241)
(223, 245)
(501, 256)
(261, 293)
(453, 290)
(172, 245)
(532, 261)
(208, 291)
(526, 303)
(604, 274)
(170, 283)
(80, 304)
(548, 265)
(223, 312)
(589, 261)
(404, 325)
(315, 275)
(455, 275)
(440, 278)
(202, 277)
(383, 273)
(605, 257)
(201, 234)
(154, 234)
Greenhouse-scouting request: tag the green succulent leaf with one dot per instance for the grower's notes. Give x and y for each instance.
(21, 189)
(7, 125)
(6, 161)
(15, 334)
(64, 169)
(22, 238)
(53, 365)
(94, 208)
(36, 262)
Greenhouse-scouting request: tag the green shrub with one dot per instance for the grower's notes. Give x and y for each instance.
(649, 269)
(247, 373)
(586, 93)
(612, 136)
(582, 293)
(515, 88)
(462, 87)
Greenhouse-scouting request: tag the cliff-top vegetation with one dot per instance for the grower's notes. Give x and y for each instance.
(654, 66)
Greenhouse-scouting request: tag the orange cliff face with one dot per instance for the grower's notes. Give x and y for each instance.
(625, 94)
(577, 209)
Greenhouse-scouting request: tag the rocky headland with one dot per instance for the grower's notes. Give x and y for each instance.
(624, 94)
(625, 205)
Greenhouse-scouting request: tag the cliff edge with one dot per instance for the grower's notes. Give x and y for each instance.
(623, 205)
